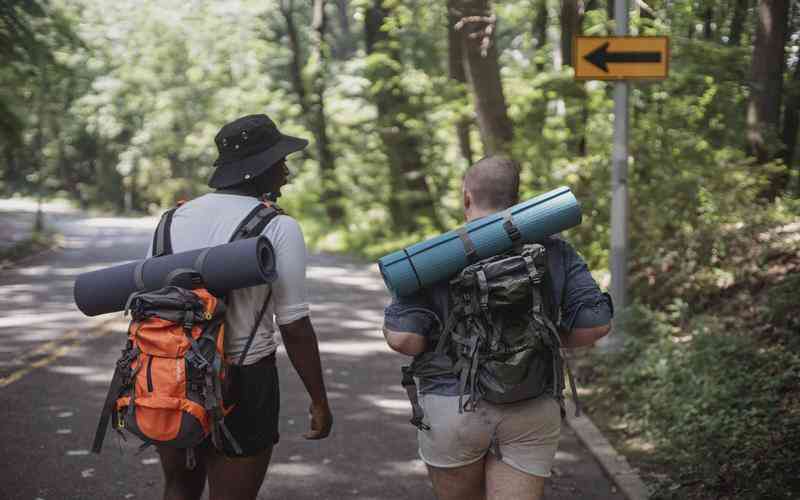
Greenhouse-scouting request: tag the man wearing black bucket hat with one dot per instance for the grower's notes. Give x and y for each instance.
(249, 173)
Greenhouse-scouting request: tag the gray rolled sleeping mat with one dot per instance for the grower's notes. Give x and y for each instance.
(240, 264)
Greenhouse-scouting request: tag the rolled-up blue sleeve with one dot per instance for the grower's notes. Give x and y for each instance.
(584, 305)
(412, 315)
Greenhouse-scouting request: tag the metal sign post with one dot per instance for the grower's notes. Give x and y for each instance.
(619, 194)
(620, 58)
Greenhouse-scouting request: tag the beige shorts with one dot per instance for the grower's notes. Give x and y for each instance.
(526, 432)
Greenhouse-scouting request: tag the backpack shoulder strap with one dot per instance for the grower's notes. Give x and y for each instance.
(252, 225)
(256, 220)
(162, 241)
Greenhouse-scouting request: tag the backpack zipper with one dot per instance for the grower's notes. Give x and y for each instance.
(150, 374)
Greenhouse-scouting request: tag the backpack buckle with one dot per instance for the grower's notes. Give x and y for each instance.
(196, 359)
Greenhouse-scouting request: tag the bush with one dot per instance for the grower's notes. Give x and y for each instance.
(721, 406)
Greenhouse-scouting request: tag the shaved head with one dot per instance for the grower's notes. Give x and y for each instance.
(493, 183)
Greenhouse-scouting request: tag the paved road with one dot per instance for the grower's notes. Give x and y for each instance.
(55, 365)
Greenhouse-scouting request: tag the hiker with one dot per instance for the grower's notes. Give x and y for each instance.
(250, 170)
(474, 448)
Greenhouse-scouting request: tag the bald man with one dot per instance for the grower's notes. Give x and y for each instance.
(498, 451)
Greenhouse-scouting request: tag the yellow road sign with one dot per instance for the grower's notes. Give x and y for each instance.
(621, 57)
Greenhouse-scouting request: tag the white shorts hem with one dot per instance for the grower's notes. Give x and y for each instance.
(533, 471)
(449, 466)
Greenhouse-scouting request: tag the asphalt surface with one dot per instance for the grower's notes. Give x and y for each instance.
(55, 365)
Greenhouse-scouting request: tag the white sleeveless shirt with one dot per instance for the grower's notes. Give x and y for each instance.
(210, 220)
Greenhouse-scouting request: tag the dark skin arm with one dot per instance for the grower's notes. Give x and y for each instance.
(301, 346)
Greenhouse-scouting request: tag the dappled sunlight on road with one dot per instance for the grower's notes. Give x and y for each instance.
(356, 348)
(403, 468)
(142, 223)
(360, 277)
(389, 404)
(565, 456)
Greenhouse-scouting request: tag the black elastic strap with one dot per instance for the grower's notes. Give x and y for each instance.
(255, 327)
(237, 449)
(574, 388)
(162, 241)
(512, 230)
(469, 246)
(108, 407)
(138, 275)
(196, 279)
(200, 261)
(417, 414)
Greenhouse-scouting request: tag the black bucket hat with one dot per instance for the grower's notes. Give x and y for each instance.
(248, 147)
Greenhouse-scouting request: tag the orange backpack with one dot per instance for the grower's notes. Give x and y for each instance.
(167, 386)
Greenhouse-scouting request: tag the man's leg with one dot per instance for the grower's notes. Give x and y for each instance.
(527, 439)
(504, 482)
(455, 446)
(181, 483)
(235, 478)
(253, 422)
(458, 483)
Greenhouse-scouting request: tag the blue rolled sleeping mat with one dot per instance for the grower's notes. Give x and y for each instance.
(241, 264)
(423, 264)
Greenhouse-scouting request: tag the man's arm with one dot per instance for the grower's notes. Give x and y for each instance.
(582, 337)
(406, 324)
(407, 343)
(291, 315)
(303, 350)
(587, 311)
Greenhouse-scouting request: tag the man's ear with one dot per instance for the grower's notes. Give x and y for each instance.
(467, 199)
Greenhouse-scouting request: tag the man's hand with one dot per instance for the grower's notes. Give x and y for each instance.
(321, 421)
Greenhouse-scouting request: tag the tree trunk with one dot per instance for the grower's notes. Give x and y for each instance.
(312, 99)
(763, 112)
(580, 11)
(708, 20)
(476, 26)
(345, 47)
(295, 64)
(332, 195)
(570, 26)
(540, 22)
(410, 196)
(539, 31)
(737, 22)
(791, 122)
(455, 65)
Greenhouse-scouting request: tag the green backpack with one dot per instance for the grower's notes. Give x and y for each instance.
(500, 338)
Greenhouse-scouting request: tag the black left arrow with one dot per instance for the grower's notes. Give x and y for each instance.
(600, 57)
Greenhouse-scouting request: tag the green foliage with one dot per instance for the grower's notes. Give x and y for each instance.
(117, 108)
(721, 406)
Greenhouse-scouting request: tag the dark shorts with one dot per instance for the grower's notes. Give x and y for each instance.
(254, 418)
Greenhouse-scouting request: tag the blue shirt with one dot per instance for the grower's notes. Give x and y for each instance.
(574, 293)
